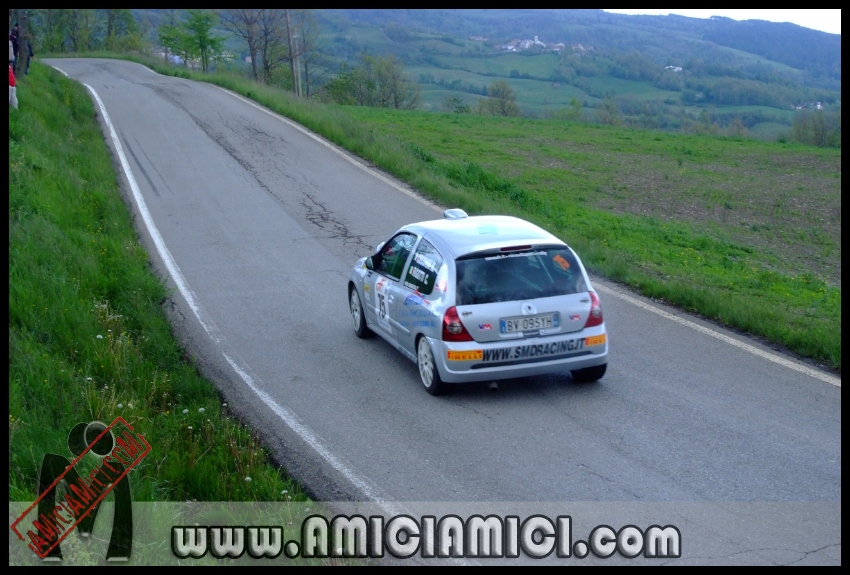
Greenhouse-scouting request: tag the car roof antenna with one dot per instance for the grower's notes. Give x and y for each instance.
(455, 214)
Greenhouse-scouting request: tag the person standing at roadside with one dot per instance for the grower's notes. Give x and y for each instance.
(13, 38)
(30, 56)
(13, 95)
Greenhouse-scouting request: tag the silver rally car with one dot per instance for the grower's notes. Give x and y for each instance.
(480, 298)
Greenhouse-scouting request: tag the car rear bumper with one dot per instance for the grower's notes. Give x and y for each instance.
(473, 361)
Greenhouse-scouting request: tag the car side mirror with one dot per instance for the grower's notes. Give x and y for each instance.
(369, 264)
(380, 245)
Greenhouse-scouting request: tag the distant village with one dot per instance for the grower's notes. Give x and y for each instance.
(518, 45)
(808, 106)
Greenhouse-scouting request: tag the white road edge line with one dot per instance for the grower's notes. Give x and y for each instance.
(63, 71)
(287, 416)
(724, 338)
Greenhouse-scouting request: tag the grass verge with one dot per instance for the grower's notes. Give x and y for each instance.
(88, 337)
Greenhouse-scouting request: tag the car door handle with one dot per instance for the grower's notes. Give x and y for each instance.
(391, 299)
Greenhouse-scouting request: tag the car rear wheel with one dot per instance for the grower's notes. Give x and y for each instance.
(428, 372)
(360, 328)
(589, 374)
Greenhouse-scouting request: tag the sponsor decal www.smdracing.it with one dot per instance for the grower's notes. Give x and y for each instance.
(527, 351)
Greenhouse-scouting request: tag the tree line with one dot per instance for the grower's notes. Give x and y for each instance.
(275, 39)
(82, 30)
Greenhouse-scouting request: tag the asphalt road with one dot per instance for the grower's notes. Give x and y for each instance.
(261, 223)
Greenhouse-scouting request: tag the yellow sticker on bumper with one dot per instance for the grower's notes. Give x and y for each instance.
(595, 340)
(466, 355)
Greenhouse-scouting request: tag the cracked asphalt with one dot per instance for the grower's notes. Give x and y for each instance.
(743, 455)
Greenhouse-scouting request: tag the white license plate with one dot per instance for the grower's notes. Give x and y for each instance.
(529, 322)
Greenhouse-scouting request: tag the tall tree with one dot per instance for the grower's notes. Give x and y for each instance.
(202, 43)
(273, 45)
(169, 34)
(244, 23)
(23, 38)
(122, 31)
(81, 29)
(173, 37)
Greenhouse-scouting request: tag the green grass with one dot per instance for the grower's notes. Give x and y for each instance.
(539, 65)
(743, 232)
(88, 336)
(534, 96)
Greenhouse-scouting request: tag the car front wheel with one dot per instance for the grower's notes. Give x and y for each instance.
(589, 374)
(428, 372)
(360, 328)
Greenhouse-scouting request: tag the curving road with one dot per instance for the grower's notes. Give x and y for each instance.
(257, 223)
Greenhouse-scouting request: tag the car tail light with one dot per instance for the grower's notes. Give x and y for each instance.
(595, 317)
(453, 329)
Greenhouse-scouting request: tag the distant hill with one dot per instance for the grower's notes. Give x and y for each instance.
(661, 72)
(664, 38)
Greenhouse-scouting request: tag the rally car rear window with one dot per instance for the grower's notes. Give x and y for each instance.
(509, 276)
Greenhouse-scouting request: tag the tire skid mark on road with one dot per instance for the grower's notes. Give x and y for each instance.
(339, 152)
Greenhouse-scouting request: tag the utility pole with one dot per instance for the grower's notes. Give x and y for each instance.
(297, 65)
(291, 52)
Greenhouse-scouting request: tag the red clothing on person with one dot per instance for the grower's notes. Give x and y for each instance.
(11, 78)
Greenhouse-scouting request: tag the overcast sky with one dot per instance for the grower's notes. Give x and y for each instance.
(824, 20)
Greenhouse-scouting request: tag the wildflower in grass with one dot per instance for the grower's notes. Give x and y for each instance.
(190, 428)
(201, 410)
(120, 405)
(99, 336)
(224, 404)
(185, 411)
(284, 492)
(88, 379)
(248, 479)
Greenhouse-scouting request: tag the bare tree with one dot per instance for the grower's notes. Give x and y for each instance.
(272, 42)
(244, 23)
